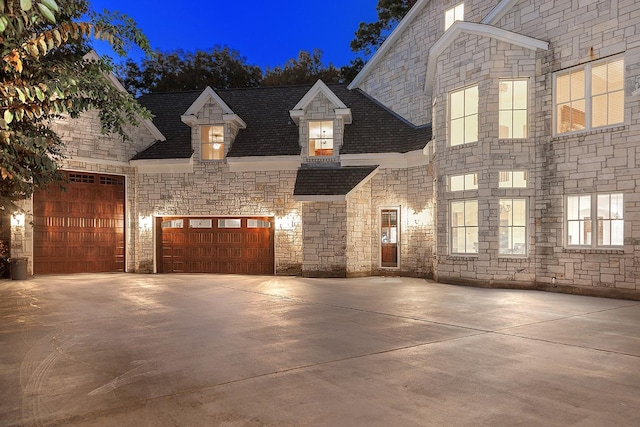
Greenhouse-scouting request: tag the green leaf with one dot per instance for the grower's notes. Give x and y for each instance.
(21, 95)
(8, 116)
(46, 12)
(26, 4)
(39, 94)
(51, 5)
(3, 23)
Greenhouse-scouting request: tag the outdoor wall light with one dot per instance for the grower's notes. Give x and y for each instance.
(145, 222)
(287, 222)
(18, 219)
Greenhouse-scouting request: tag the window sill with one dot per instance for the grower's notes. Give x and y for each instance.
(516, 258)
(463, 257)
(589, 250)
(568, 135)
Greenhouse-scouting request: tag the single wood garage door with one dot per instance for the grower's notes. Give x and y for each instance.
(215, 245)
(80, 230)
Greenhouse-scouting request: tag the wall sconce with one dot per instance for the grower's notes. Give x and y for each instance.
(18, 219)
(287, 222)
(145, 222)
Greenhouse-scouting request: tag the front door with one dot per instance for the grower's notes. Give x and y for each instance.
(389, 236)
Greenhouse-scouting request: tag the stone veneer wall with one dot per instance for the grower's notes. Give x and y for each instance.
(359, 232)
(324, 239)
(598, 161)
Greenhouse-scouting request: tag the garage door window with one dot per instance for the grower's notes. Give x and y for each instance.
(258, 223)
(200, 223)
(230, 223)
(173, 223)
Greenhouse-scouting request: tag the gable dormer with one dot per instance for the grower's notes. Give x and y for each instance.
(321, 117)
(214, 126)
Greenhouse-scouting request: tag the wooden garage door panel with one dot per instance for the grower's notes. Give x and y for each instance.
(80, 230)
(203, 245)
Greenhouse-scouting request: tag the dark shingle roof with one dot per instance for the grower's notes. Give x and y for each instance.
(335, 181)
(270, 130)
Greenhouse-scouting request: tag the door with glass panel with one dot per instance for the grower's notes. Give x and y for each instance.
(389, 237)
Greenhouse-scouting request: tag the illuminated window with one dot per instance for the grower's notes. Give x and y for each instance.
(589, 96)
(513, 108)
(463, 125)
(463, 182)
(454, 14)
(608, 227)
(321, 138)
(513, 179)
(464, 227)
(212, 139)
(513, 227)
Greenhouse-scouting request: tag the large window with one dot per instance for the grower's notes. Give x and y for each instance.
(321, 138)
(513, 227)
(452, 15)
(212, 139)
(463, 125)
(590, 96)
(513, 108)
(464, 227)
(595, 220)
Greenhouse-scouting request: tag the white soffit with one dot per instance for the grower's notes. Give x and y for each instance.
(389, 41)
(148, 166)
(460, 27)
(386, 160)
(320, 87)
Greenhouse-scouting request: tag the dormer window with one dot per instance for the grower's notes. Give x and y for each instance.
(212, 139)
(452, 15)
(321, 139)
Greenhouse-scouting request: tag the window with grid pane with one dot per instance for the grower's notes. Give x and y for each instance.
(600, 216)
(513, 227)
(589, 96)
(463, 112)
(464, 227)
(513, 108)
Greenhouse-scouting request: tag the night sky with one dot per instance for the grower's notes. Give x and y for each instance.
(266, 33)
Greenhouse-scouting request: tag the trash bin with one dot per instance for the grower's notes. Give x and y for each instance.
(18, 268)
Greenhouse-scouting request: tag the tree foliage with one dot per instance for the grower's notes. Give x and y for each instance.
(371, 35)
(44, 74)
(219, 67)
(306, 69)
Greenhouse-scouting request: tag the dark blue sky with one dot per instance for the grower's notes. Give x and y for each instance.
(265, 32)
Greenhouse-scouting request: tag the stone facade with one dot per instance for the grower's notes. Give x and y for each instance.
(414, 75)
(599, 161)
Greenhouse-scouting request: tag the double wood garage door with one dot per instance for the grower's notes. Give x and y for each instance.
(215, 245)
(80, 230)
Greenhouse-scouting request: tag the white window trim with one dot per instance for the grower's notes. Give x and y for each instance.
(224, 142)
(450, 222)
(450, 118)
(594, 222)
(526, 229)
(464, 175)
(588, 96)
(528, 110)
(453, 9)
(398, 237)
(512, 171)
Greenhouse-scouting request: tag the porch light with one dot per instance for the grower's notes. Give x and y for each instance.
(145, 222)
(18, 219)
(287, 222)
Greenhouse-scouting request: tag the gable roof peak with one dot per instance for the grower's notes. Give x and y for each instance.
(189, 117)
(320, 87)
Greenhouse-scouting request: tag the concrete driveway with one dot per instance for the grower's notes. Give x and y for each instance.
(206, 350)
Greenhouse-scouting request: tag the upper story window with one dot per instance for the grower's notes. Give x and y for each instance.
(456, 13)
(513, 227)
(513, 179)
(321, 138)
(463, 125)
(212, 141)
(589, 96)
(595, 220)
(513, 108)
(467, 181)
